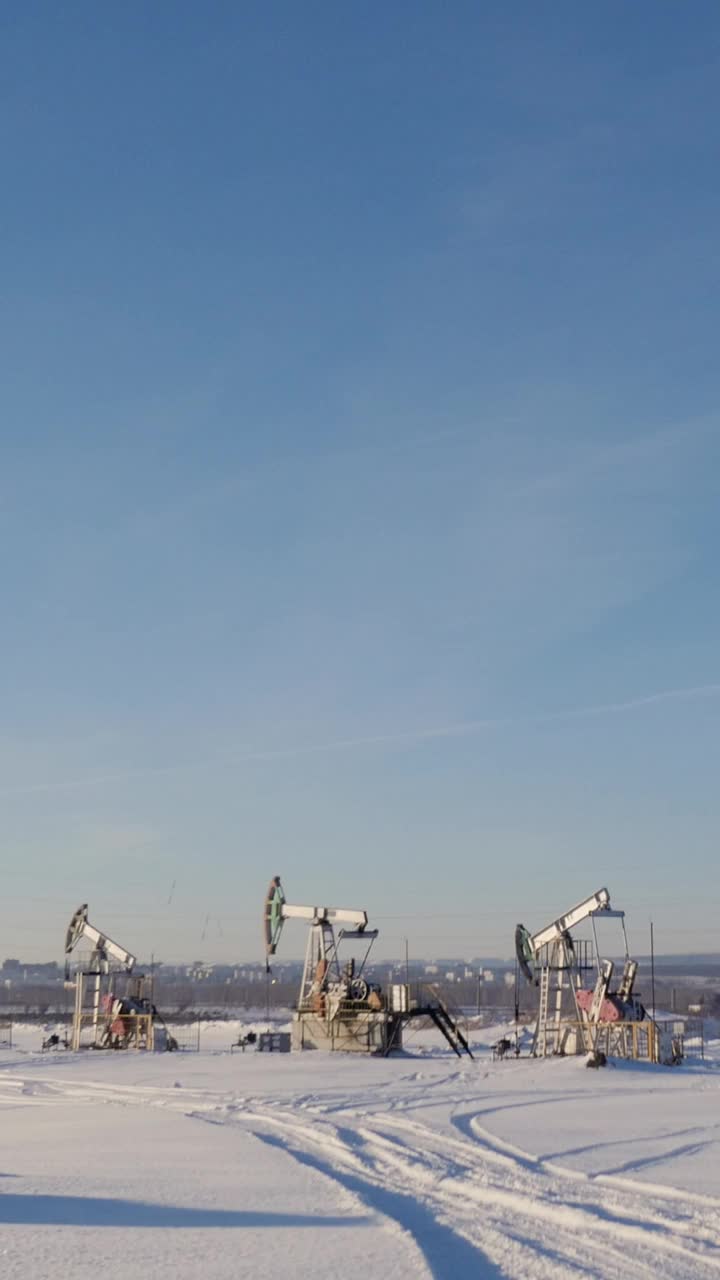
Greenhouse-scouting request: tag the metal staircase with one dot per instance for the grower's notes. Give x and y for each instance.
(430, 1004)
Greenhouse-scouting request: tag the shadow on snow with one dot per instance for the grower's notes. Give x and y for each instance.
(447, 1254)
(87, 1211)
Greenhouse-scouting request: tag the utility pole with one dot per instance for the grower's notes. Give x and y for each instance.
(407, 964)
(652, 966)
(516, 1002)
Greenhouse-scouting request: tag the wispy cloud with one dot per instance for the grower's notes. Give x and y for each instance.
(632, 704)
(634, 454)
(407, 737)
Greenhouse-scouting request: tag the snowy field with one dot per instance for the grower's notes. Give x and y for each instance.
(215, 1165)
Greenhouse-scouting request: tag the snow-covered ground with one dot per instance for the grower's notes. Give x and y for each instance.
(215, 1165)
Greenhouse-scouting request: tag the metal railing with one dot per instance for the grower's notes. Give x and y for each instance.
(580, 956)
(644, 1041)
(124, 1031)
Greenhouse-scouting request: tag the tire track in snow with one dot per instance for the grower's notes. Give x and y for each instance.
(519, 1219)
(610, 1178)
(468, 1199)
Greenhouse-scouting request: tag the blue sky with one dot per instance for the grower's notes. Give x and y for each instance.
(360, 469)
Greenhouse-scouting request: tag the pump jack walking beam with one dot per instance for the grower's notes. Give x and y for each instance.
(528, 946)
(278, 910)
(104, 949)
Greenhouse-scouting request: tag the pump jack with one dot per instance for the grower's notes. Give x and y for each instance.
(337, 1007)
(324, 981)
(568, 1013)
(113, 1021)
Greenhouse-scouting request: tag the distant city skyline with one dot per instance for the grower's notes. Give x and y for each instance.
(360, 469)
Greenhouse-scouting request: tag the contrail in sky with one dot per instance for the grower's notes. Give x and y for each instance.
(407, 737)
